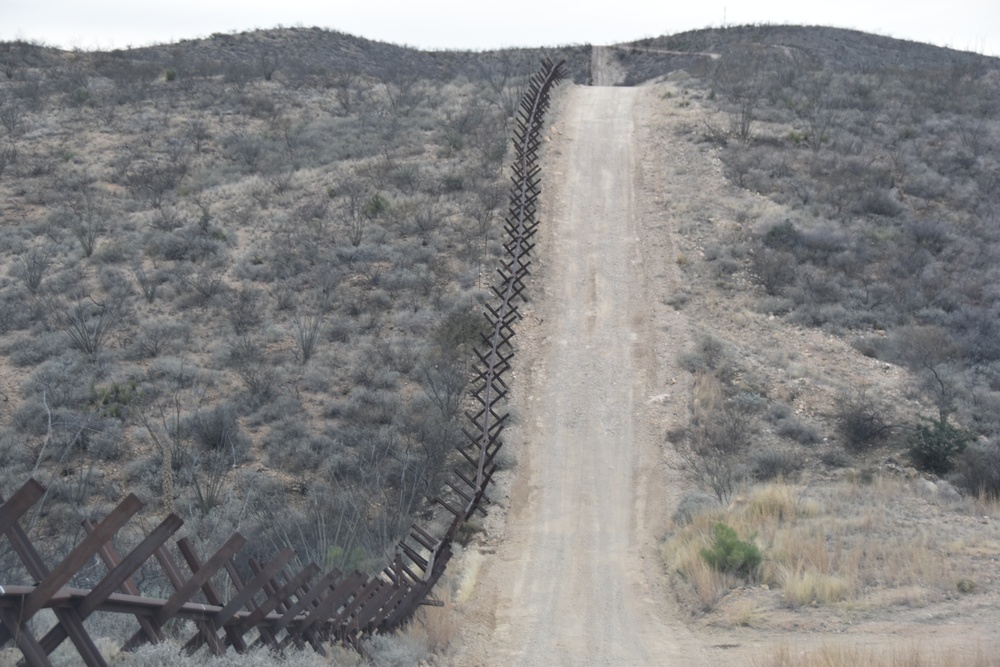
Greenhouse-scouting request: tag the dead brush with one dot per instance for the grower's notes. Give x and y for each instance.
(436, 627)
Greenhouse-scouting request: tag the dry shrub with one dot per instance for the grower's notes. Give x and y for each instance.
(862, 419)
(775, 502)
(707, 397)
(437, 626)
(742, 613)
(802, 588)
(170, 653)
(987, 505)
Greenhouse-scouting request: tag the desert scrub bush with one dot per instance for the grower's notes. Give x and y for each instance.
(399, 650)
(710, 355)
(730, 554)
(802, 433)
(977, 469)
(935, 443)
(249, 359)
(836, 458)
(89, 323)
(768, 464)
(217, 429)
(33, 350)
(861, 419)
(159, 335)
(713, 452)
(31, 267)
(693, 503)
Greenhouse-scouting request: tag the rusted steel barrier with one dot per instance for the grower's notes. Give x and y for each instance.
(277, 607)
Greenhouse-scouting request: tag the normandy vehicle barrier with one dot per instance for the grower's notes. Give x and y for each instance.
(277, 607)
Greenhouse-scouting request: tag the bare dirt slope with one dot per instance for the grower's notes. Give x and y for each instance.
(575, 579)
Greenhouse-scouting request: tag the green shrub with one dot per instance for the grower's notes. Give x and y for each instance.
(729, 554)
(452, 183)
(936, 442)
(783, 236)
(114, 399)
(376, 206)
(965, 585)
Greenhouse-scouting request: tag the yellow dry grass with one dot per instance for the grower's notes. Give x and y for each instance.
(844, 545)
(436, 627)
(841, 655)
(801, 588)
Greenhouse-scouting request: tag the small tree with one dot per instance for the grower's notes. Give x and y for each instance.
(713, 452)
(741, 82)
(936, 442)
(731, 555)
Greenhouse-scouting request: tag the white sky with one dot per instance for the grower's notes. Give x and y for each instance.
(467, 24)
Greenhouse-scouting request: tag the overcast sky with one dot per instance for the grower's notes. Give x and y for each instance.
(474, 24)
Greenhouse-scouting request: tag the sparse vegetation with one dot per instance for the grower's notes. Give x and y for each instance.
(835, 226)
(878, 558)
(241, 276)
(252, 262)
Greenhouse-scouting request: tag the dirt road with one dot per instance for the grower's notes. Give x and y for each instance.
(575, 580)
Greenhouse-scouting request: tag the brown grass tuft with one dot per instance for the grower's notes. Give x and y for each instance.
(839, 655)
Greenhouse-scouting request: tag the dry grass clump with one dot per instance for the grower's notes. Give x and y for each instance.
(801, 588)
(838, 655)
(170, 653)
(436, 627)
(840, 545)
(682, 555)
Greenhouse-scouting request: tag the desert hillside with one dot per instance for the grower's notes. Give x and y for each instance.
(242, 277)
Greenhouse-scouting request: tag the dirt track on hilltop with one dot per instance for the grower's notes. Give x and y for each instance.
(575, 579)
